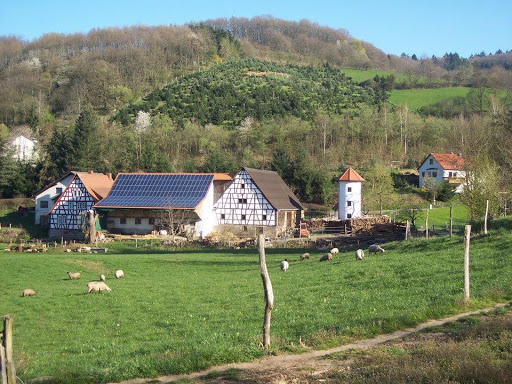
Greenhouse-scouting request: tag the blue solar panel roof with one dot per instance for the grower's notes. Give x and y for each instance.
(157, 191)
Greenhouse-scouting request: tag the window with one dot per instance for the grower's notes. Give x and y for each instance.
(151, 221)
(349, 203)
(422, 174)
(431, 161)
(122, 220)
(449, 174)
(243, 217)
(58, 190)
(434, 174)
(349, 189)
(454, 174)
(242, 185)
(242, 201)
(43, 204)
(61, 219)
(222, 216)
(264, 217)
(349, 215)
(138, 220)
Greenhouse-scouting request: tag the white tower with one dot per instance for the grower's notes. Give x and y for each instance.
(350, 197)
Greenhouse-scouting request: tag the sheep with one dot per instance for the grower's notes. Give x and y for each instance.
(74, 276)
(374, 248)
(284, 265)
(119, 273)
(28, 292)
(359, 254)
(326, 257)
(304, 256)
(334, 251)
(97, 286)
(102, 277)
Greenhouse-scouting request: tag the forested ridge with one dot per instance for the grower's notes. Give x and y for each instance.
(226, 93)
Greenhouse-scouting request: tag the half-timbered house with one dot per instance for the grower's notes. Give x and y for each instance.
(259, 198)
(140, 203)
(84, 190)
(46, 197)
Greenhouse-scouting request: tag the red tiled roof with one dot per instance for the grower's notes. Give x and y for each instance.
(97, 184)
(449, 160)
(350, 175)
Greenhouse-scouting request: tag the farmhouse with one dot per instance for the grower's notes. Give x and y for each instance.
(83, 191)
(258, 198)
(24, 149)
(442, 167)
(140, 203)
(46, 198)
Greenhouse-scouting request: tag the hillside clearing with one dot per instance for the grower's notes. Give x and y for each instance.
(417, 98)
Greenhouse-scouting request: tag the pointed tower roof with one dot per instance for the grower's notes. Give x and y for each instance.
(350, 175)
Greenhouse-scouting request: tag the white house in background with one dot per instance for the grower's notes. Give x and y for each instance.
(350, 198)
(140, 203)
(45, 198)
(24, 148)
(442, 167)
(259, 198)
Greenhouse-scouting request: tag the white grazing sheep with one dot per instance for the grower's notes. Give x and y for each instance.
(119, 273)
(102, 277)
(28, 292)
(284, 265)
(374, 248)
(304, 256)
(74, 276)
(326, 257)
(334, 251)
(97, 286)
(359, 254)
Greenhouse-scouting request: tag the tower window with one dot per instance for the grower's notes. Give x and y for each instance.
(349, 203)
(349, 189)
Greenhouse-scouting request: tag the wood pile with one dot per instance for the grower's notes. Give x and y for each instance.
(221, 239)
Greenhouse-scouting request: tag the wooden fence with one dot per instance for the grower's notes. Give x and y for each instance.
(8, 373)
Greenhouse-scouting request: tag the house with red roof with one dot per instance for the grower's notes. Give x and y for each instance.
(442, 167)
(85, 189)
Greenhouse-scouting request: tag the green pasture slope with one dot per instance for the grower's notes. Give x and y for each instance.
(183, 311)
(417, 98)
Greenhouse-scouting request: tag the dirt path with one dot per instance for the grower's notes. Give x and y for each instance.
(284, 362)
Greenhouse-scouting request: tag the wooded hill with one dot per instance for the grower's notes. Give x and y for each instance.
(226, 93)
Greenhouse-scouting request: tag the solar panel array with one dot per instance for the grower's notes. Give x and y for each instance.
(157, 191)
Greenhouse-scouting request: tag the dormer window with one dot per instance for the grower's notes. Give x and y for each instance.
(58, 190)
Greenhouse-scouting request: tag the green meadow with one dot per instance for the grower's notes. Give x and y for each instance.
(417, 98)
(183, 311)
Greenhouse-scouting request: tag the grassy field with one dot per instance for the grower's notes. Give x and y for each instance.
(182, 311)
(417, 98)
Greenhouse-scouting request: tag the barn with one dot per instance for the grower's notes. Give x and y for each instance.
(181, 203)
(259, 198)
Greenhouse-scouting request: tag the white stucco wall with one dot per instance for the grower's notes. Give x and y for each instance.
(349, 192)
(49, 195)
(24, 149)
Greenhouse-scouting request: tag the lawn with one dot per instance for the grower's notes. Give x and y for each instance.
(182, 311)
(417, 98)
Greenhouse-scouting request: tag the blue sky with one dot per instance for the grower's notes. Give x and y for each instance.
(422, 27)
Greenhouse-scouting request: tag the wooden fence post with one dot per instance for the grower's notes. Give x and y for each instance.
(269, 294)
(407, 230)
(3, 372)
(467, 238)
(426, 225)
(486, 216)
(451, 221)
(7, 341)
